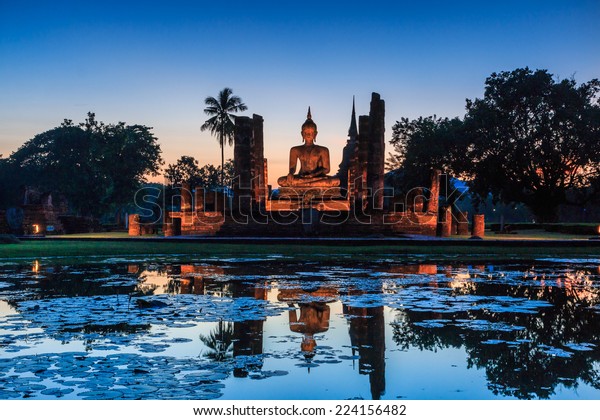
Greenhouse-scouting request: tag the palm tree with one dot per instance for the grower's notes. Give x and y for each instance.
(219, 341)
(220, 122)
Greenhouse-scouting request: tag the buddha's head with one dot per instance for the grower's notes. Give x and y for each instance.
(309, 129)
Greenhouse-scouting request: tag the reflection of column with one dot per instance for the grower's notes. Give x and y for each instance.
(367, 334)
(191, 280)
(248, 335)
(247, 341)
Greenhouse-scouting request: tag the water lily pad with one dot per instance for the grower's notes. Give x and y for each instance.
(101, 395)
(57, 392)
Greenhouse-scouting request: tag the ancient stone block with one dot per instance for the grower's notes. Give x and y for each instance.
(186, 197)
(198, 199)
(134, 225)
(445, 223)
(462, 223)
(172, 227)
(478, 225)
(434, 192)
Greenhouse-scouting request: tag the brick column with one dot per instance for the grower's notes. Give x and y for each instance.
(478, 226)
(258, 160)
(242, 158)
(376, 160)
(134, 225)
(433, 203)
(463, 223)
(199, 200)
(446, 222)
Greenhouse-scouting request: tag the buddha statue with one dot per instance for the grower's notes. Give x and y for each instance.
(314, 161)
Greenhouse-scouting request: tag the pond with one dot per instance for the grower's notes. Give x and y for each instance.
(276, 328)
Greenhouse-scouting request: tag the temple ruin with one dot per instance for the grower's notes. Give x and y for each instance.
(353, 202)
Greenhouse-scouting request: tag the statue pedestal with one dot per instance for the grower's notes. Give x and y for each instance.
(319, 198)
(311, 193)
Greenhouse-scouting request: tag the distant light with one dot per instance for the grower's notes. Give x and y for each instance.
(36, 266)
(36, 228)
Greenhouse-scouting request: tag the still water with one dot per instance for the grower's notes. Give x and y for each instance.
(267, 328)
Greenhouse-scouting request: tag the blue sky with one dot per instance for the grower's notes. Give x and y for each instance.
(153, 63)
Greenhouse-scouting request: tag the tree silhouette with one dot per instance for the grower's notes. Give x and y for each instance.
(534, 139)
(219, 341)
(221, 120)
(97, 166)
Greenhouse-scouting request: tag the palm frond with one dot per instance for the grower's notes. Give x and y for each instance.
(221, 124)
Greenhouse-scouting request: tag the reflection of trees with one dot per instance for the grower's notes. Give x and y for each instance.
(220, 342)
(51, 281)
(529, 361)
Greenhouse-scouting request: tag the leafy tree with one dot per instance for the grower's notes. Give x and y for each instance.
(221, 123)
(96, 166)
(533, 139)
(187, 170)
(421, 145)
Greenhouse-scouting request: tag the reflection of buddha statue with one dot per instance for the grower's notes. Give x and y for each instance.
(314, 319)
(314, 161)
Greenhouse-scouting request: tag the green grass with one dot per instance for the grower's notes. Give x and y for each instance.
(81, 251)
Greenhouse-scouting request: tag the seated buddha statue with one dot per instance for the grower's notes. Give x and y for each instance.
(314, 161)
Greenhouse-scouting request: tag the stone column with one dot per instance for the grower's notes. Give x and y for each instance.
(199, 200)
(432, 204)
(478, 226)
(171, 226)
(417, 200)
(463, 223)
(359, 177)
(258, 160)
(186, 203)
(267, 187)
(220, 202)
(242, 158)
(376, 159)
(454, 224)
(186, 197)
(134, 225)
(446, 222)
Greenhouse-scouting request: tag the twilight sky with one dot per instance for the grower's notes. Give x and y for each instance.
(154, 62)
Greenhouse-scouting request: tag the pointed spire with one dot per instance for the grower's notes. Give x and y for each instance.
(353, 130)
(308, 116)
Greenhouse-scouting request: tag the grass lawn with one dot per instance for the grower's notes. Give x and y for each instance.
(77, 250)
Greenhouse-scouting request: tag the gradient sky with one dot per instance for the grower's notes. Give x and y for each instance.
(153, 63)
